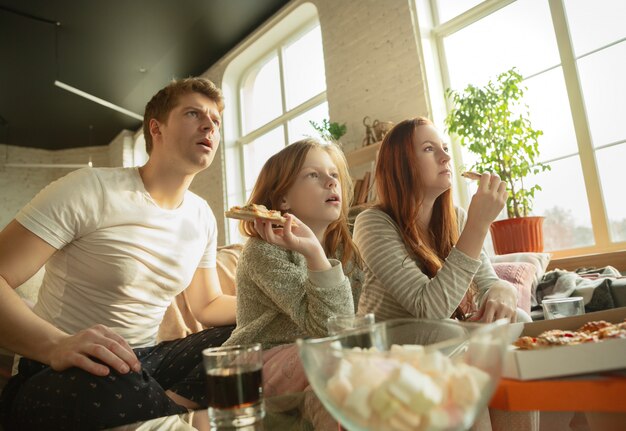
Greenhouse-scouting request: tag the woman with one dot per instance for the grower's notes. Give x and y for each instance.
(422, 256)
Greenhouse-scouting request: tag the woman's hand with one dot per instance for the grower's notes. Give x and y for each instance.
(485, 206)
(96, 343)
(500, 302)
(488, 200)
(298, 237)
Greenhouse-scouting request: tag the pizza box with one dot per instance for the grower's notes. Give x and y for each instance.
(561, 361)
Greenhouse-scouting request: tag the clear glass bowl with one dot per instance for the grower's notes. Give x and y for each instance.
(407, 374)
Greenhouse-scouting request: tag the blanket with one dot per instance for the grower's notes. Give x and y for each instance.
(600, 288)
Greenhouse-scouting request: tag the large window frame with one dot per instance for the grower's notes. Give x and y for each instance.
(438, 77)
(274, 37)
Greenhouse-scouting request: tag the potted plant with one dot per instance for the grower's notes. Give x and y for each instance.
(493, 123)
(329, 131)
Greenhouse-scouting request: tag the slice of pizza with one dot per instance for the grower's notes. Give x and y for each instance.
(253, 211)
(471, 175)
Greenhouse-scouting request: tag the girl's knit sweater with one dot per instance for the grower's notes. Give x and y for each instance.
(280, 300)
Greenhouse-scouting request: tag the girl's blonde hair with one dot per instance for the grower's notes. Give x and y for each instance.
(278, 175)
(400, 195)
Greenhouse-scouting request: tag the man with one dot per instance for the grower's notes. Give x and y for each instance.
(118, 244)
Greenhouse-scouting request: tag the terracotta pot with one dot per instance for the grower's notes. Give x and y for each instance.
(521, 234)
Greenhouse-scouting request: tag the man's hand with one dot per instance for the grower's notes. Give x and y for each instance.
(95, 343)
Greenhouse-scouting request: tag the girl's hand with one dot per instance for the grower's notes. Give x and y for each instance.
(488, 200)
(299, 238)
(500, 302)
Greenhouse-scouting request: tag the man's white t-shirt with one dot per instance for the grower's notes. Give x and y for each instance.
(121, 258)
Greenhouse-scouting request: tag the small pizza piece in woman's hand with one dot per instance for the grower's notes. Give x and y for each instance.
(254, 211)
(471, 175)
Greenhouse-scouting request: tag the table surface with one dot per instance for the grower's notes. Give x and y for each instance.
(282, 412)
(602, 393)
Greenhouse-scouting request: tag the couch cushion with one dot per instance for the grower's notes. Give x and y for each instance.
(522, 276)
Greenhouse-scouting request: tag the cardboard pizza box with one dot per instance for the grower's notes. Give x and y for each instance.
(561, 361)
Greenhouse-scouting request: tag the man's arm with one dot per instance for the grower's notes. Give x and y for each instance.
(22, 254)
(206, 300)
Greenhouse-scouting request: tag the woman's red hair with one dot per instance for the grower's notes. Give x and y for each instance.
(400, 195)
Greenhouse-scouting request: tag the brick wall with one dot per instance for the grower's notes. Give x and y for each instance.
(18, 185)
(372, 63)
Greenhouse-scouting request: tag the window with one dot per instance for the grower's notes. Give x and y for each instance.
(140, 155)
(277, 94)
(571, 53)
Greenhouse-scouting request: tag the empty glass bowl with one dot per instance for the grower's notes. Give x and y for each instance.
(407, 374)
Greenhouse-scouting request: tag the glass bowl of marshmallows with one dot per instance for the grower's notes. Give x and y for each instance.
(407, 374)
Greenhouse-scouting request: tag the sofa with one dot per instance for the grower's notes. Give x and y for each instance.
(523, 271)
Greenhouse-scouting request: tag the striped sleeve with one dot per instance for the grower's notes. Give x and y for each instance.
(395, 285)
(486, 276)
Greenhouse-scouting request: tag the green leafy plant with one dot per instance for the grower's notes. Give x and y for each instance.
(493, 123)
(329, 131)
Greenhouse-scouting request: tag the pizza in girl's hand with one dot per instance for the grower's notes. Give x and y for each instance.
(254, 211)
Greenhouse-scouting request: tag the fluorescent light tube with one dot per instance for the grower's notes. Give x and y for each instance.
(97, 100)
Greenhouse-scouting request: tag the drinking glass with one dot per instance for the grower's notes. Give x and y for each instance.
(234, 385)
(343, 322)
(563, 307)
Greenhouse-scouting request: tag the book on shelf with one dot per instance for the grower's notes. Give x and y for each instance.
(358, 184)
(364, 190)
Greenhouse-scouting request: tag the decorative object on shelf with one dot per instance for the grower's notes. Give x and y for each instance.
(329, 131)
(493, 123)
(370, 136)
(381, 128)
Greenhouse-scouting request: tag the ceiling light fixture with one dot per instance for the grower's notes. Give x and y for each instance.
(97, 100)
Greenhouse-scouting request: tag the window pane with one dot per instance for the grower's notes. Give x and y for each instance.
(232, 225)
(611, 166)
(567, 223)
(233, 174)
(448, 9)
(303, 63)
(257, 152)
(260, 95)
(604, 90)
(520, 35)
(300, 128)
(594, 24)
(550, 112)
(140, 156)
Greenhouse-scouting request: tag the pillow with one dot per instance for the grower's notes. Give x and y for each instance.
(539, 260)
(521, 275)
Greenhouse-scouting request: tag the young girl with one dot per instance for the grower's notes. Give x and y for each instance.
(291, 279)
(422, 256)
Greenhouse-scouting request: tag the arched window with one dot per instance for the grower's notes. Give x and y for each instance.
(274, 87)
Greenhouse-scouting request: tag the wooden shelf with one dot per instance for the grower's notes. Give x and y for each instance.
(363, 155)
(616, 259)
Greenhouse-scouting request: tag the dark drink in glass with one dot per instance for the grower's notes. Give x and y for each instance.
(229, 388)
(234, 385)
